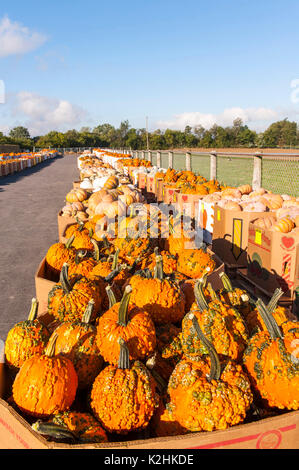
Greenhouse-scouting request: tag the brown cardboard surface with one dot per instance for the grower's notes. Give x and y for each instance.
(273, 260)
(169, 193)
(159, 189)
(76, 184)
(230, 234)
(142, 180)
(189, 204)
(63, 223)
(43, 285)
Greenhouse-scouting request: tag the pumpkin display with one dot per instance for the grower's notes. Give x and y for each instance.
(132, 323)
(69, 298)
(270, 363)
(283, 225)
(195, 263)
(25, 339)
(210, 393)
(77, 341)
(76, 195)
(82, 236)
(41, 373)
(128, 391)
(58, 254)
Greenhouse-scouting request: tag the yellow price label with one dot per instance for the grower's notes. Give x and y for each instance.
(258, 237)
(218, 215)
(202, 207)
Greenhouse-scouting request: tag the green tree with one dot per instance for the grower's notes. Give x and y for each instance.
(19, 132)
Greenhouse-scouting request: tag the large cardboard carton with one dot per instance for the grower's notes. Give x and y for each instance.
(44, 281)
(169, 193)
(159, 189)
(230, 234)
(273, 260)
(188, 204)
(142, 180)
(151, 185)
(63, 223)
(205, 220)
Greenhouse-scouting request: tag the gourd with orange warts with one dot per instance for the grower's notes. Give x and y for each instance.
(208, 394)
(222, 324)
(129, 321)
(25, 339)
(77, 341)
(41, 373)
(123, 396)
(271, 362)
(58, 254)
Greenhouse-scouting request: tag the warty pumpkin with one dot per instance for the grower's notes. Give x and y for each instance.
(45, 384)
(123, 396)
(25, 339)
(58, 254)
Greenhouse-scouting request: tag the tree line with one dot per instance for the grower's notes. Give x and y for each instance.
(279, 134)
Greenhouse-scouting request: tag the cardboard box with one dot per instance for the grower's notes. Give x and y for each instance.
(150, 185)
(142, 180)
(188, 204)
(169, 193)
(76, 184)
(44, 282)
(230, 234)
(206, 220)
(159, 189)
(63, 223)
(273, 260)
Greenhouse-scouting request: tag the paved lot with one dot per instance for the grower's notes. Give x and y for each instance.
(29, 203)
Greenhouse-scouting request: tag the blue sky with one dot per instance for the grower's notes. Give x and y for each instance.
(68, 64)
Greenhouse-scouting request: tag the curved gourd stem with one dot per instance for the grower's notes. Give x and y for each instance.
(274, 299)
(115, 259)
(88, 312)
(199, 295)
(123, 307)
(124, 356)
(215, 372)
(80, 254)
(50, 348)
(226, 282)
(96, 250)
(53, 430)
(112, 275)
(213, 294)
(150, 364)
(270, 322)
(111, 296)
(64, 280)
(80, 223)
(33, 310)
(158, 271)
(69, 241)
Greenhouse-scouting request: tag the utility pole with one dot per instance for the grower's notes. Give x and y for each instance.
(146, 126)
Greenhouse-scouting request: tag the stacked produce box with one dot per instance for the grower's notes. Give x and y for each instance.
(137, 336)
(15, 162)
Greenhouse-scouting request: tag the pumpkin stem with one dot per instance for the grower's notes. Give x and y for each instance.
(88, 312)
(80, 254)
(69, 241)
(158, 270)
(115, 259)
(80, 223)
(199, 294)
(274, 299)
(53, 430)
(96, 250)
(111, 296)
(123, 307)
(124, 356)
(215, 371)
(64, 280)
(270, 322)
(213, 294)
(112, 275)
(33, 310)
(226, 282)
(50, 348)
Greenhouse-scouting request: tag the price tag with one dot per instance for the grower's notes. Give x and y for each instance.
(258, 237)
(202, 207)
(218, 215)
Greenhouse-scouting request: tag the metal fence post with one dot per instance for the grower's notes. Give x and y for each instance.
(188, 161)
(257, 172)
(213, 166)
(158, 159)
(142, 155)
(170, 159)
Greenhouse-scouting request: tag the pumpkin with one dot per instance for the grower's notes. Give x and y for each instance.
(221, 324)
(283, 225)
(45, 384)
(25, 339)
(77, 341)
(210, 394)
(270, 363)
(132, 323)
(265, 222)
(81, 427)
(236, 297)
(195, 263)
(169, 261)
(69, 298)
(76, 195)
(158, 295)
(131, 249)
(232, 206)
(58, 254)
(163, 422)
(245, 189)
(123, 396)
(82, 236)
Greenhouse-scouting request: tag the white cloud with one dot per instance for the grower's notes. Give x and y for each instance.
(17, 39)
(257, 117)
(41, 114)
